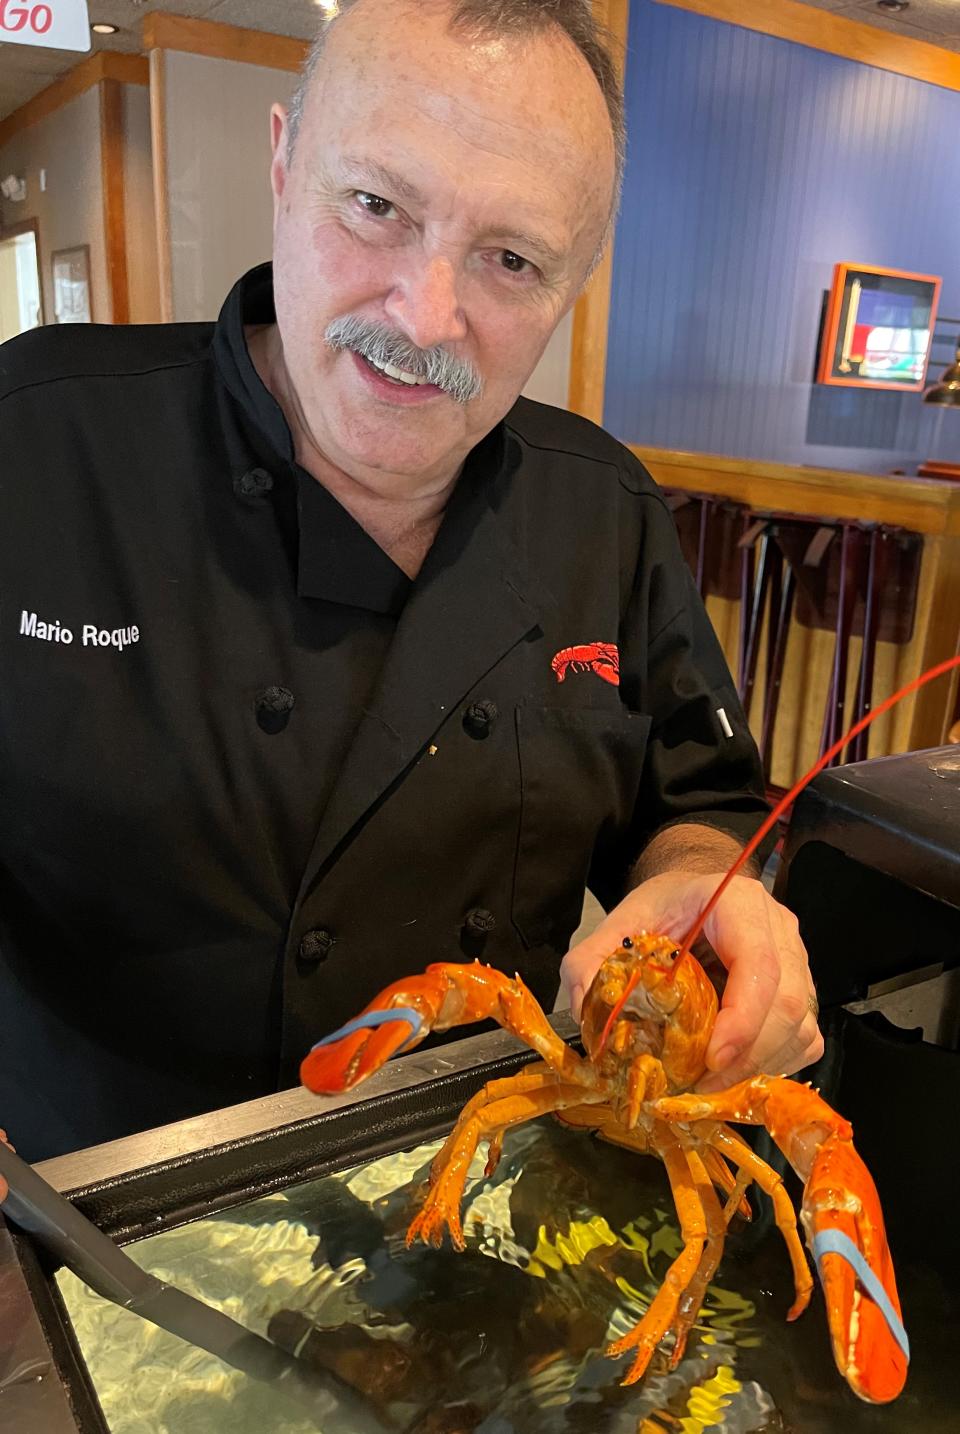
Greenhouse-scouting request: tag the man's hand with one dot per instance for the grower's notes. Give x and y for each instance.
(767, 1021)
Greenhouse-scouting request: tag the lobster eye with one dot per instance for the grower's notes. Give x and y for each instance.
(627, 943)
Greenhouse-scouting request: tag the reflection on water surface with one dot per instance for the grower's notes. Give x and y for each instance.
(567, 1243)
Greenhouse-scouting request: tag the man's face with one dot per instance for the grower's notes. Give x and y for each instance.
(449, 192)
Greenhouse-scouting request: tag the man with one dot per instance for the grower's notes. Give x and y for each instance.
(317, 667)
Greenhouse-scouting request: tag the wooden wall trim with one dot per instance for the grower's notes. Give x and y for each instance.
(591, 315)
(162, 31)
(836, 35)
(114, 204)
(161, 193)
(105, 65)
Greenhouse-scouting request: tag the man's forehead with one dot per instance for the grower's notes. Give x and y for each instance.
(531, 78)
(523, 112)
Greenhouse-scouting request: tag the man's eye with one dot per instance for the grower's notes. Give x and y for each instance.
(373, 204)
(514, 262)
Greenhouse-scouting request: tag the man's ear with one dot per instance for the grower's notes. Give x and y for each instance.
(278, 149)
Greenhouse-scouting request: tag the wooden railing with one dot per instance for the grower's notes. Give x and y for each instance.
(927, 507)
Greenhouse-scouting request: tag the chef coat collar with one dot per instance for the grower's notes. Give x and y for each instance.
(338, 560)
(250, 301)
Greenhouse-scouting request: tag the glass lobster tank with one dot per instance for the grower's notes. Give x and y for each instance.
(290, 1214)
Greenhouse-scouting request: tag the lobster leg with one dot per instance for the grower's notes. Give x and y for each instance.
(441, 1207)
(532, 1078)
(603, 1120)
(771, 1184)
(646, 1335)
(693, 1295)
(737, 1202)
(597, 1118)
(446, 994)
(841, 1217)
(733, 1186)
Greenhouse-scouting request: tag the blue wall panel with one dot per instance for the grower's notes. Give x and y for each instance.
(755, 165)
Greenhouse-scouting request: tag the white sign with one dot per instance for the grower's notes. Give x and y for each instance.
(58, 24)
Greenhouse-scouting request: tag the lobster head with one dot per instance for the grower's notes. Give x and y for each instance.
(631, 998)
(650, 998)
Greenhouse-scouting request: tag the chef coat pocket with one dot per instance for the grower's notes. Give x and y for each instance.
(580, 772)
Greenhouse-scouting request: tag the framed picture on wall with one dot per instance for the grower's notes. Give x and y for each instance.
(878, 328)
(71, 285)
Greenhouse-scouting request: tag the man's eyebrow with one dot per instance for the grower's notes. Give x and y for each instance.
(378, 176)
(532, 243)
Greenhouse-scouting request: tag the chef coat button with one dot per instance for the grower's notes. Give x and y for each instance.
(479, 718)
(477, 925)
(273, 707)
(479, 919)
(316, 946)
(255, 483)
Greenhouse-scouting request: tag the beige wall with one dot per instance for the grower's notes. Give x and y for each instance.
(141, 231)
(217, 127)
(9, 303)
(550, 380)
(70, 210)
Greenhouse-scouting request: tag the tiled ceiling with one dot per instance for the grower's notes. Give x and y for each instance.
(25, 70)
(936, 21)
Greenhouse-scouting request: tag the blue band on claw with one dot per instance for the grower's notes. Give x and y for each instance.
(378, 1018)
(833, 1242)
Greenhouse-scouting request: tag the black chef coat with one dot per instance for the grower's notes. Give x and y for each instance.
(250, 773)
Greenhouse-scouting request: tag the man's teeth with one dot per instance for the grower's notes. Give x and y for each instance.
(399, 374)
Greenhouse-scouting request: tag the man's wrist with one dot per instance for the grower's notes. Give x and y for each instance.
(692, 847)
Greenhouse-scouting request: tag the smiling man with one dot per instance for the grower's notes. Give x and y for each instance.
(441, 191)
(409, 661)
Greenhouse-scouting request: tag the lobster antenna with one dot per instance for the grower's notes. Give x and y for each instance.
(795, 791)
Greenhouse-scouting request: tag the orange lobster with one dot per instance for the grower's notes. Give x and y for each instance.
(646, 1025)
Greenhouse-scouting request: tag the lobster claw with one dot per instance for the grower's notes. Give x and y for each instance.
(845, 1231)
(448, 993)
(342, 1060)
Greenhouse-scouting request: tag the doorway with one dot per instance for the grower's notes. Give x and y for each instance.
(21, 296)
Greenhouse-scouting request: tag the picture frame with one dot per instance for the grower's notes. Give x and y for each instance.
(878, 328)
(71, 285)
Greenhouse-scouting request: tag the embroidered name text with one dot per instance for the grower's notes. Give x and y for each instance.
(32, 626)
(90, 636)
(102, 637)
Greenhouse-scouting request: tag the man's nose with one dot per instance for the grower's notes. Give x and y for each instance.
(425, 305)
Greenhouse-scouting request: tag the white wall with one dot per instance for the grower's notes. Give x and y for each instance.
(217, 126)
(70, 210)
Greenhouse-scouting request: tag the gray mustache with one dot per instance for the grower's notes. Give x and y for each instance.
(382, 346)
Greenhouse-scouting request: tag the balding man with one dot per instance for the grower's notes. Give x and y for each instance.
(324, 655)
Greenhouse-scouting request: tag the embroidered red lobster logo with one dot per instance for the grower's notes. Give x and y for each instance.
(599, 657)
